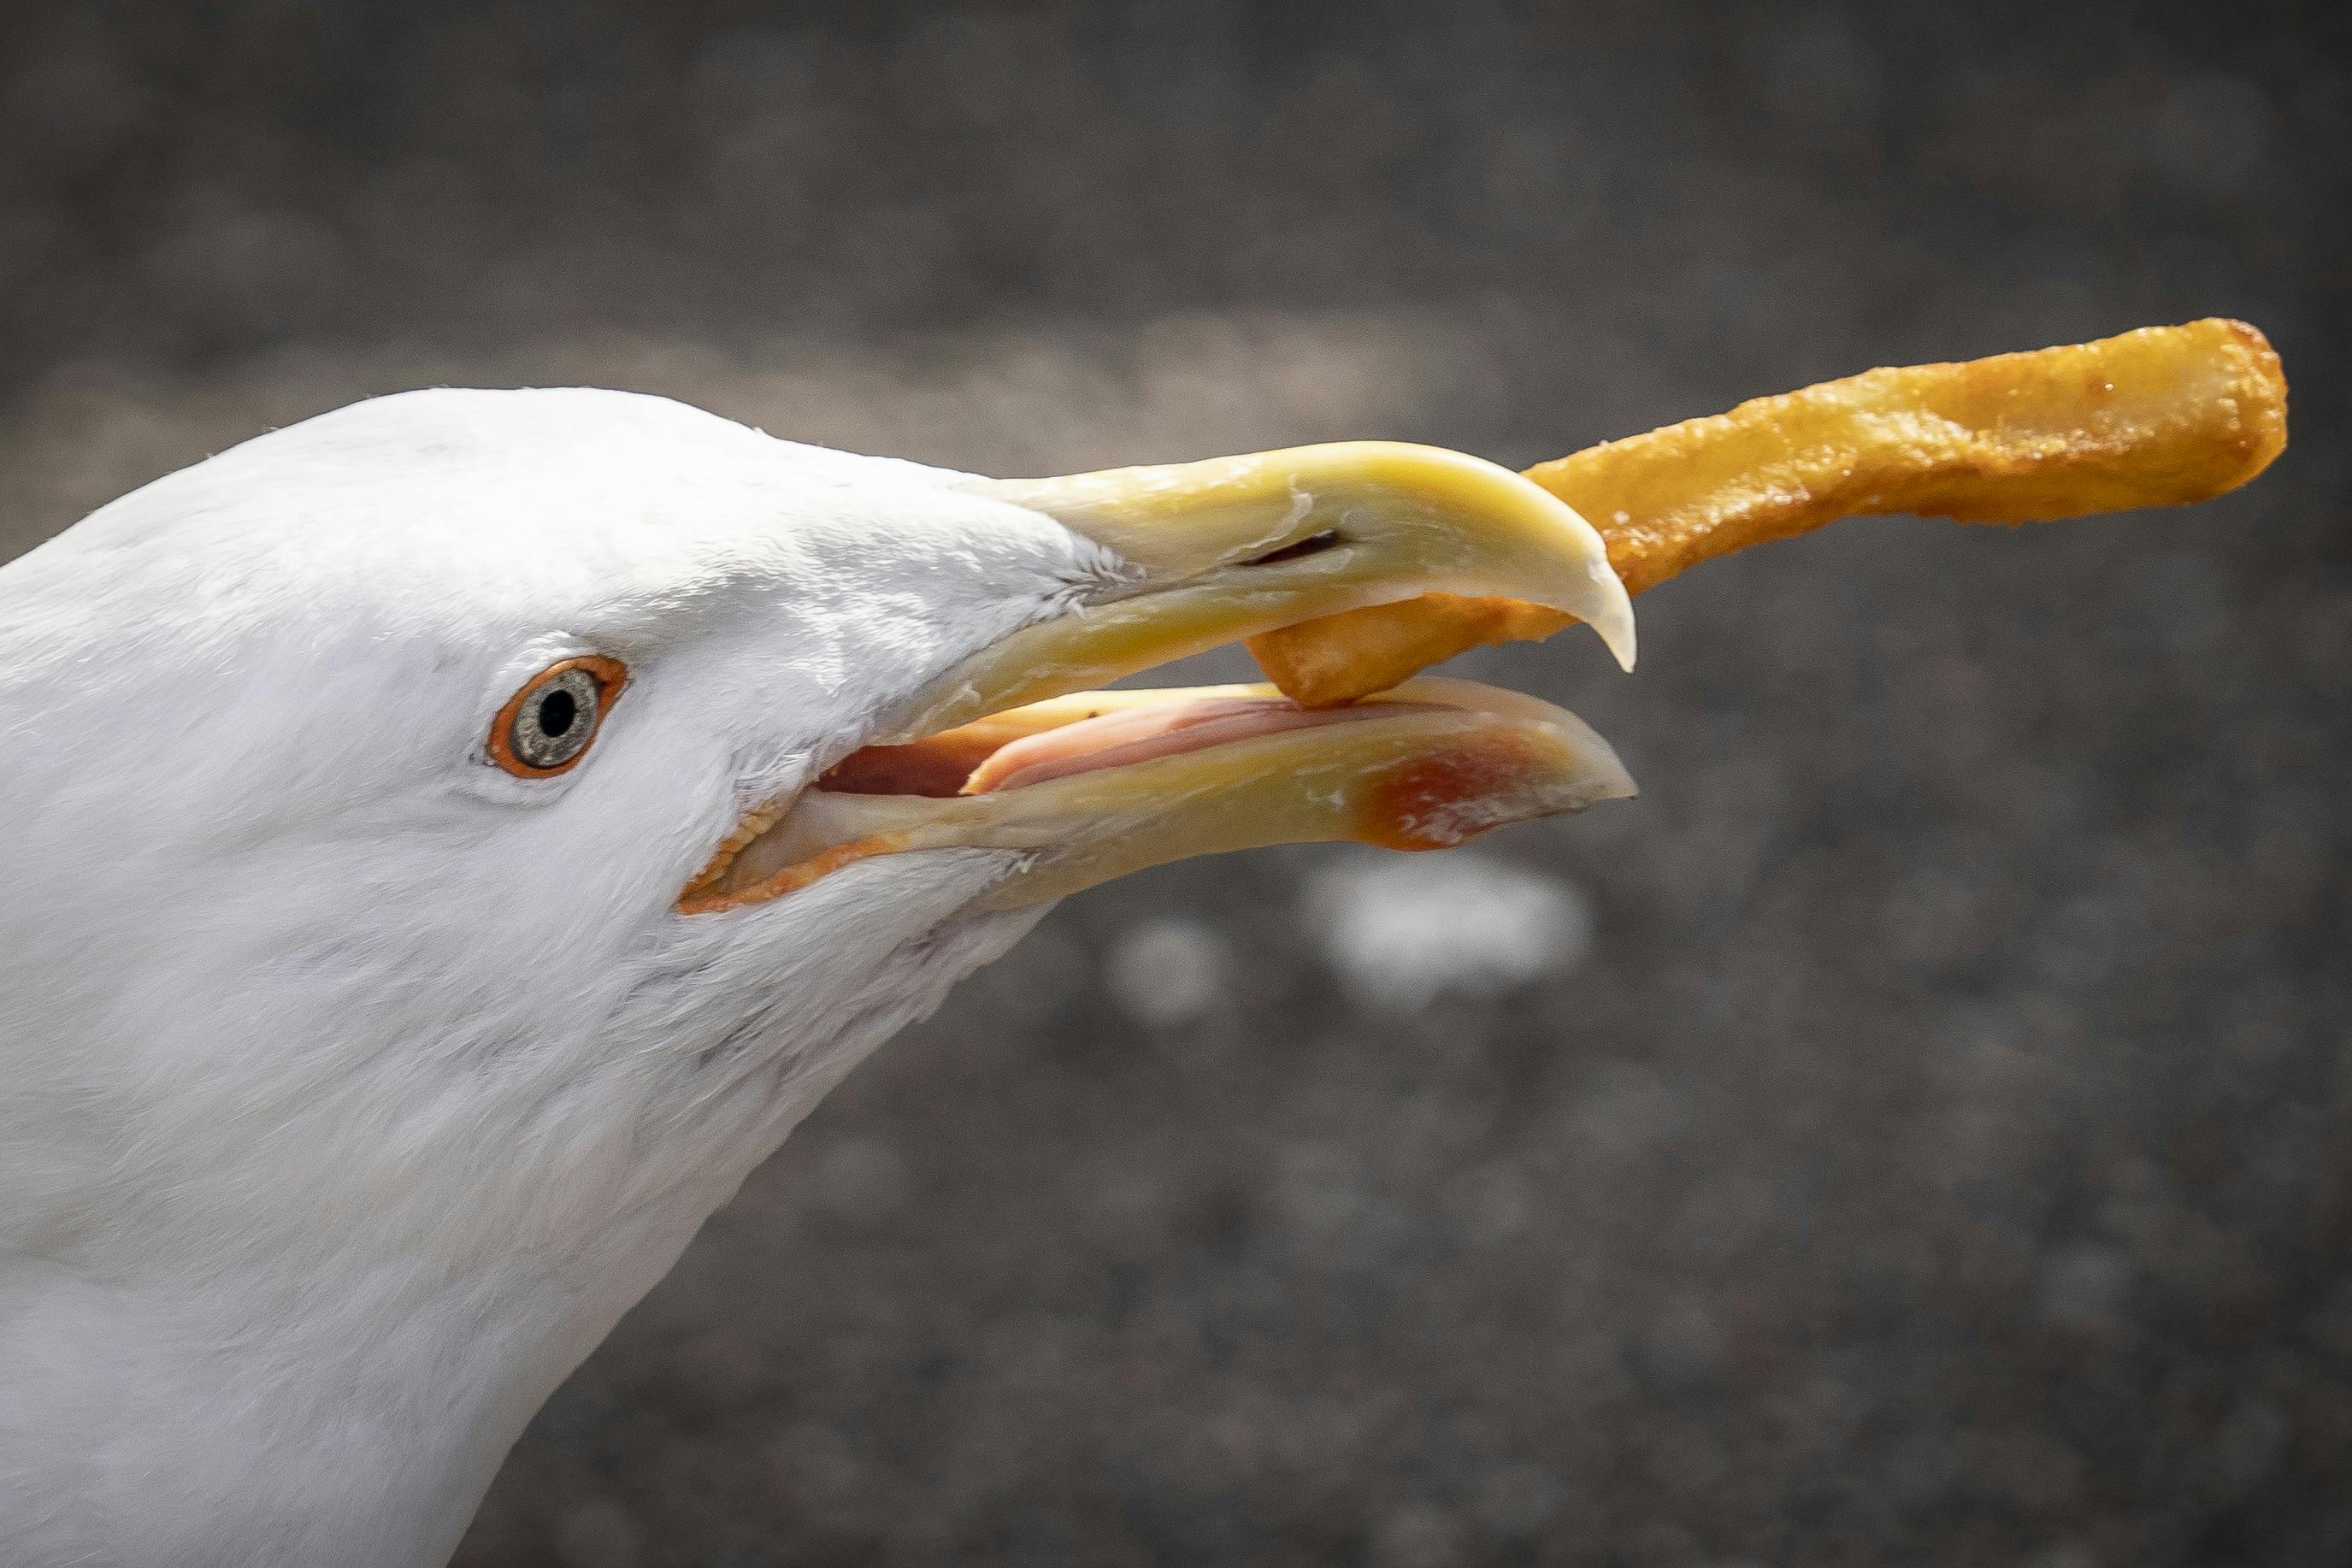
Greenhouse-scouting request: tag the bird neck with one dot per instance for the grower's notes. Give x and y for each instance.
(298, 1410)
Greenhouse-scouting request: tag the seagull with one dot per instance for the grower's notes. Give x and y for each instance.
(451, 841)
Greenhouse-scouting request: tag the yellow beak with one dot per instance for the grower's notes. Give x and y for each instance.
(1207, 553)
(1231, 547)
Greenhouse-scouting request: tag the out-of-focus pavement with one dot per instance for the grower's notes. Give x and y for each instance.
(1918, 1129)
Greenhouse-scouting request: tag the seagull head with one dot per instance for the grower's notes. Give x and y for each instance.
(454, 838)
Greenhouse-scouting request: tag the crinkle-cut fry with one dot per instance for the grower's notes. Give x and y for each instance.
(2153, 417)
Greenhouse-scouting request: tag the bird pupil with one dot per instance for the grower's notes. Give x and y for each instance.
(557, 711)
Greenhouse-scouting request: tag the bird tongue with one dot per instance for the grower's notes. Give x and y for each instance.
(1079, 734)
(1143, 734)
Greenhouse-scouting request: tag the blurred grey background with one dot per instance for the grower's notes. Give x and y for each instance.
(1918, 1130)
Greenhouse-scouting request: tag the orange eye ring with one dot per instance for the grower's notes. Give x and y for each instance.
(548, 725)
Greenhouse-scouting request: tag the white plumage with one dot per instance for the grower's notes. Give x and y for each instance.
(354, 1089)
(351, 1088)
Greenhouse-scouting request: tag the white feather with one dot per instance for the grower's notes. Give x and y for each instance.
(350, 1088)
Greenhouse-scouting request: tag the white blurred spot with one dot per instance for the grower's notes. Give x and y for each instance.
(1403, 930)
(1168, 972)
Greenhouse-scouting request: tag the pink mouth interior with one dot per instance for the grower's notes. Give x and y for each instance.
(947, 764)
(1146, 734)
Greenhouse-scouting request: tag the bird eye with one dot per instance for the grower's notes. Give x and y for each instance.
(547, 726)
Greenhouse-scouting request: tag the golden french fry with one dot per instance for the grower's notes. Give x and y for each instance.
(2153, 417)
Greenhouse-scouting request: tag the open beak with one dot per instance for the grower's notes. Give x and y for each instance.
(1011, 752)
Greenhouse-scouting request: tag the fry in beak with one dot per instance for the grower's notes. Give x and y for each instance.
(2154, 418)
(1351, 567)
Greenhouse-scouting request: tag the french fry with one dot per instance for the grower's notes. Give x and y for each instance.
(2154, 418)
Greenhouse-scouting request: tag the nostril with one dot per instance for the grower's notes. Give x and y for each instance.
(1313, 544)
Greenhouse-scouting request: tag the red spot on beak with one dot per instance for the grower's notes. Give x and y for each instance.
(1443, 798)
